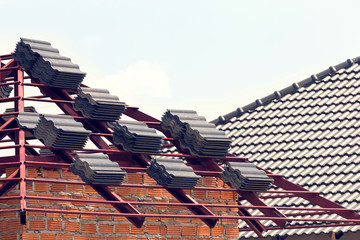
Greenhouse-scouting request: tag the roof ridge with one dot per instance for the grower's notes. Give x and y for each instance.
(290, 89)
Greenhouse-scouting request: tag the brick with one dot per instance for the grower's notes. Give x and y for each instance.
(81, 237)
(71, 215)
(219, 209)
(182, 220)
(8, 214)
(154, 192)
(29, 186)
(123, 191)
(228, 195)
(67, 174)
(88, 228)
(202, 230)
(29, 236)
(46, 202)
(41, 187)
(106, 228)
(33, 172)
(80, 204)
(213, 195)
(75, 188)
(232, 231)
(220, 183)
(97, 204)
(53, 214)
(87, 216)
(37, 225)
(196, 220)
(188, 230)
(152, 229)
(209, 181)
(167, 194)
(3, 226)
(135, 230)
(187, 191)
(199, 194)
(89, 190)
(135, 178)
(148, 180)
(232, 209)
(120, 219)
(113, 238)
(35, 214)
(47, 236)
(176, 208)
(51, 173)
(217, 231)
(71, 226)
(162, 207)
(9, 236)
(58, 187)
(105, 218)
(228, 221)
(14, 225)
(138, 191)
(97, 238)
(54, 225)
(64, 237)
(128, 238)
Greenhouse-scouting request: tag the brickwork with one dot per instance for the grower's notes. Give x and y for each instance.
(74, 226)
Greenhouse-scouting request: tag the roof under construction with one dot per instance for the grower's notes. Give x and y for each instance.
(136, 145)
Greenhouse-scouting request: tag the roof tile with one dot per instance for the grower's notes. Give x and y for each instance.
(310, 133)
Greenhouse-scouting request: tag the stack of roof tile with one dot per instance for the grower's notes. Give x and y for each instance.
(97, 169)
(28, 120)
(195, 134)
(45, 152)
(5, 91)
(99, 104)
(245, 176)
(136, 137)
(61, 131)
(46, 64)
(26, 109)
(171, 172)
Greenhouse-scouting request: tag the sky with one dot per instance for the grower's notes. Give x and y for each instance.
(203, 55)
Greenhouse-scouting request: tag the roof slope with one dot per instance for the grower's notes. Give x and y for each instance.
(308, 132)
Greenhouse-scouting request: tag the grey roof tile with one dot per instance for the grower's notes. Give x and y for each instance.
(136, 137)
(98, 104)
(46, 64)
(97, 169)
(311, 135)
(61, 131)
(172, 172)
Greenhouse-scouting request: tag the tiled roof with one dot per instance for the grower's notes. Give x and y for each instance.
(308, 132)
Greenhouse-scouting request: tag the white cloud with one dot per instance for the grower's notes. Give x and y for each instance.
(143, 84)
(142, 79)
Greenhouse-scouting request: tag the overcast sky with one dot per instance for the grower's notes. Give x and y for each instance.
(209, 56)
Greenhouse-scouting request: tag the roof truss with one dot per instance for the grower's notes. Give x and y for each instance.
(26, 155)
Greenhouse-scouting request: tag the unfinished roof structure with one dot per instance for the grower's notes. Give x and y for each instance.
(309, 133)
(89, 146)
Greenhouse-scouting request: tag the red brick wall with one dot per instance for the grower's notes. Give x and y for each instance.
(80, 227)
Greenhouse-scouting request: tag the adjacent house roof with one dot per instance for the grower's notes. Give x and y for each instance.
(310, 133)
